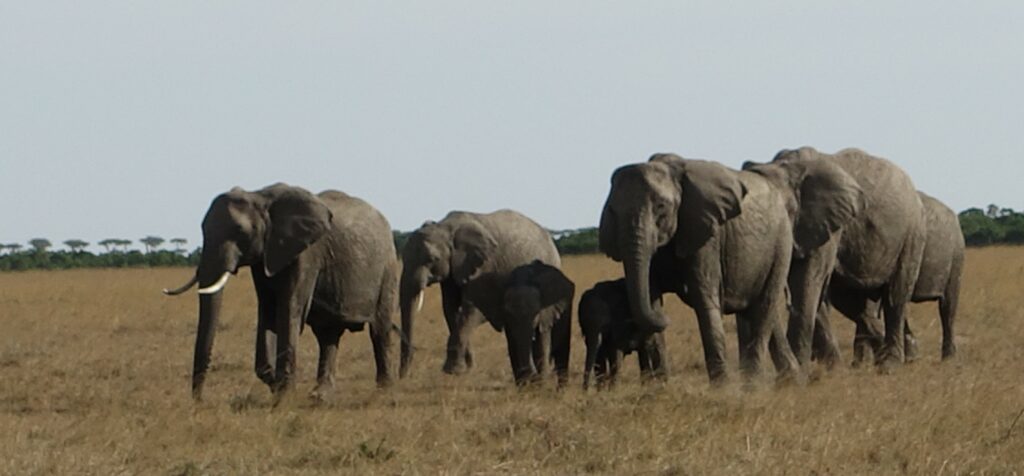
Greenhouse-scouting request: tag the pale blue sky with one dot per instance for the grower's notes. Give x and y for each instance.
(123, 119)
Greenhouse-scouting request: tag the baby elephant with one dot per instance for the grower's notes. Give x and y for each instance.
(610, 332)
(538, 302)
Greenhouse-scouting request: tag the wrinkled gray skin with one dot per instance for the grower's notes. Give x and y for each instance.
(538, 302)
(858, 225)
(325, 260)
(938, 280)
(471, 255)
(718, 238)
(610, 332)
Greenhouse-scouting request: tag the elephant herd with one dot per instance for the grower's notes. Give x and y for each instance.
(778, 244)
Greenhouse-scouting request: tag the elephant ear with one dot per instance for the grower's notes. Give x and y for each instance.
(555, 287)
(711, 195)
(607, 241)
(471, 246)
(829, 198)
(296, 220)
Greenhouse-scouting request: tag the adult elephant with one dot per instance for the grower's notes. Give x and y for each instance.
(471, 255)
(873, 244)
(719, 238)
(325, 260)
(938, 280)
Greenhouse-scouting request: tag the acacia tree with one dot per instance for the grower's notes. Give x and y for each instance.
(108, 243)
(40, 244)
(124, 245)
(76, 245)
(14, 247)
(151, 243)
(179, 244)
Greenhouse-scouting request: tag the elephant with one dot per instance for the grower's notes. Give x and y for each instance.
(325, 260)
(718, 238)
(938, 280)
(609, 331)
(472, 256)
(538, 304)
(871, 244)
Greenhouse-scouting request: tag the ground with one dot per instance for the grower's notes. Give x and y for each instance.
(94, 379)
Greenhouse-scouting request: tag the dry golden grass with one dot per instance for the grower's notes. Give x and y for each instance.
(94, 376)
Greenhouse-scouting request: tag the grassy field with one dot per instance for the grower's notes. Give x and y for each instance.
(94, 379)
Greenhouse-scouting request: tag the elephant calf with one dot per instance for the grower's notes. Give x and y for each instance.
(610, 332)
(538, 301)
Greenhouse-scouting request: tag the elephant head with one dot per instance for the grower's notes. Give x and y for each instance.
(267, 229)
(820, 196)
(529, 290)
(668, 199)
(451, 252)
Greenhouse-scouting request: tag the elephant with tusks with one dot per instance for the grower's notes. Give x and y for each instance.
(326, 260)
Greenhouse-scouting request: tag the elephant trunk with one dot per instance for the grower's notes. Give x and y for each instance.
(411, 301)
(637, 264)
(209, 312)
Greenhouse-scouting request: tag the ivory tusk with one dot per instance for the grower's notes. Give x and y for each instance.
(186, 287)
(216, 287)
(419, 301)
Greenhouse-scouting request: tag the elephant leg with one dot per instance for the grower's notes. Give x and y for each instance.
(896, 298)
(293, 303)
(712, 334)
(659, 359)
(541, 350)
(520, 346)
(381, 327)
(266, 340)
(593, 342)
(560, 338)
(947, 312)
(614, 364)
(754, 348)
(328, 337)
(380, 337)
(824, 345)
(459, 360)
(808, 278)
(644, 359)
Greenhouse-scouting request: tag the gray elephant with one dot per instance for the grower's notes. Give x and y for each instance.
(610, 332)
(871, 243)
(938, 280)
(472, 256)
(325, 260)
(718, 238)
(538, 304)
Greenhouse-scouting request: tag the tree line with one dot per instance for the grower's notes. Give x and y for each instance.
(991, 226)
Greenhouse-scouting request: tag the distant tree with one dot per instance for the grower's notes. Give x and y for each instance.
(179, 244)
(108, 244)
(14, 247)
(40, 244)
(124, 245)
(151, 243)
(992, 211)
(76, 245)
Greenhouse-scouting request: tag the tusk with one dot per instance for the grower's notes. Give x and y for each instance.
(216, 287)
(186, 287)
(419, 301)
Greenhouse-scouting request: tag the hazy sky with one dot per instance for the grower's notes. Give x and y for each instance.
(124, 119)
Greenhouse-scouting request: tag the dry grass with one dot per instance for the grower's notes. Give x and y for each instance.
(94, 372)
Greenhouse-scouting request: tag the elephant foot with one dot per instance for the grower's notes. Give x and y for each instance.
(320, 394)
(948, 352)
(889, 361)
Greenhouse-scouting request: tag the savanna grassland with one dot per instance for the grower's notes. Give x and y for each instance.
(95, 364)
